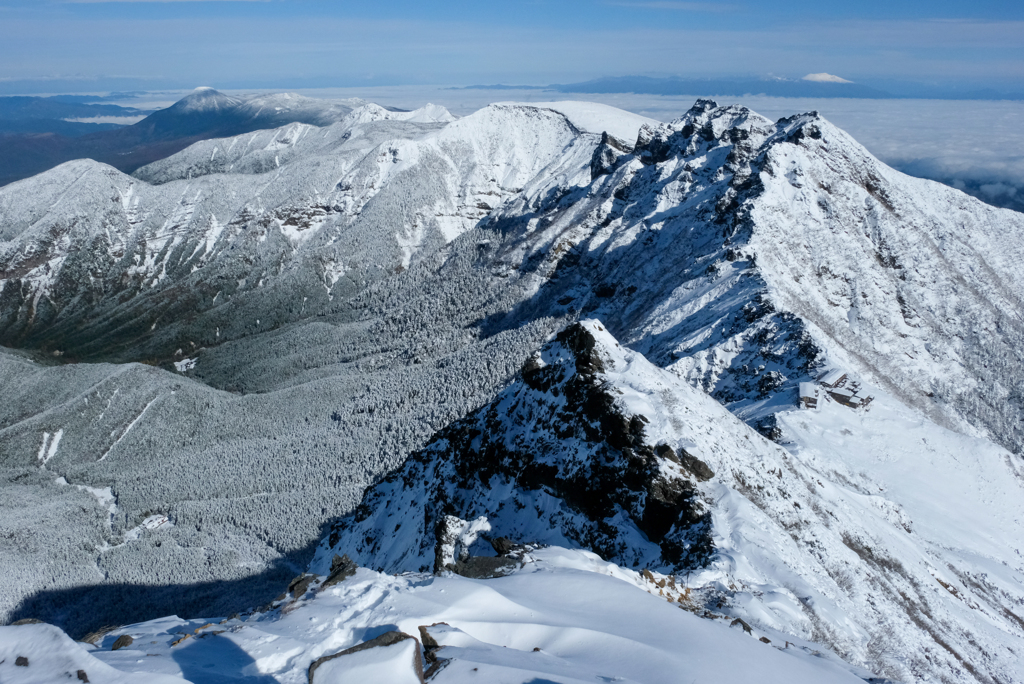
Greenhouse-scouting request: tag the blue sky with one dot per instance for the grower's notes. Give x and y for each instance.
(54, 45)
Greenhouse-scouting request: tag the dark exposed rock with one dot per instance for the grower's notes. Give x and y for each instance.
(607, 155)
(27, 621)
(429, 643)
(21, 661)
(741, 623)
(430, 648)
(653, 148)
(122, 641)
(809, 130)
(96, 635)
(696, 467)
(485, 567)
(342, 567)
(769, 382)
(580, 449)
(298, 586)
(502, 545)
(383, 641)
(769, 428)
(82, 676)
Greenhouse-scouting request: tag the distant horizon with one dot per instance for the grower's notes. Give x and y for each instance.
(914, 47)
(890, 90)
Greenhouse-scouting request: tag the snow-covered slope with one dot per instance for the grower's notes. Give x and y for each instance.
(41, 653)
(783, 248)
(278, 109)
(564, 616)
(593, 446)
(594, 117)
(347, 291)
(89, 257)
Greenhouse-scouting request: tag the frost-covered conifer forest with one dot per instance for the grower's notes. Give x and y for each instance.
(548, 392)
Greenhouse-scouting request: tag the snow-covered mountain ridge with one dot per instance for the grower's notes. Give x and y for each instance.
(203, 114)
(94, 250)
(552, 459)
(782, 247)
(594, 446)
(358, 287)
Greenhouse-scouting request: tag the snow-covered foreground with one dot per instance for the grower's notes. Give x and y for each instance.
(565, 616)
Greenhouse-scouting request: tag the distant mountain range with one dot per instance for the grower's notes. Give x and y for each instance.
(59, 107)
(37, 138)
(647, 85)
(64, 115)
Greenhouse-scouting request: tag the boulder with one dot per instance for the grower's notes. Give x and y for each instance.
(393, 657)
(122, 641)
(454, 536)
(502, 545)
(342, 567)
(298, 586)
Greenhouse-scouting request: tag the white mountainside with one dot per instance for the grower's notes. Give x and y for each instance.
(323, 300)
(83, 234)
(888, 556)
(782, 247)
(202, 268)
(273, 108)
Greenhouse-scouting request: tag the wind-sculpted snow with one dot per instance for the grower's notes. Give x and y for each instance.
(593, 446)
(565, 616)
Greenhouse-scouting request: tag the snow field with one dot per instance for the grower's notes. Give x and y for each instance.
(566, 616)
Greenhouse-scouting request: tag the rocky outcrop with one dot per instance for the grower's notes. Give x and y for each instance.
(607, 155)
(298, 586)
(342, 567)
(555, 458)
